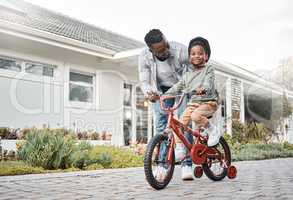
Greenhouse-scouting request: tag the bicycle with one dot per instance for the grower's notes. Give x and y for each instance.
(215, 161)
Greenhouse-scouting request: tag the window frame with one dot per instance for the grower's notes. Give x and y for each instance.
(23, 62)
(43, 66)
(12, 59)
(93, 85)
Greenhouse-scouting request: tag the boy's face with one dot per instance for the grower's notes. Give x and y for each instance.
(198, 56)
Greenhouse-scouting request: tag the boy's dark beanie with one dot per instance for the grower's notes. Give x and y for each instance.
(202, 42)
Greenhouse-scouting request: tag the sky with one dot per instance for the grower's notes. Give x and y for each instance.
(253, 34)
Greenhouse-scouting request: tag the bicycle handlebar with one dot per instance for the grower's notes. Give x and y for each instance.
(175, 106)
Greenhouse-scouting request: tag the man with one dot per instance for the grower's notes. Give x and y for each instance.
(161, 65)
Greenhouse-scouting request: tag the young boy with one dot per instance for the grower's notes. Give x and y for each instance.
(199, 83)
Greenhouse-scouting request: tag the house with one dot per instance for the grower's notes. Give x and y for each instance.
(60, 72)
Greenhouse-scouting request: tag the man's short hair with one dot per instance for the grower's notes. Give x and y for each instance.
(153, 36)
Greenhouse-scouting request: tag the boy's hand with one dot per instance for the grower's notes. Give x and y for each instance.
(152, 96)
(200, 91)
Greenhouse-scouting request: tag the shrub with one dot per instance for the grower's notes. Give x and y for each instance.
(4, 132)
(17, 168)
(80, 157)
(82, 135)
(288, 146)
(64, 132)
(249, 132)
(94, 136)
(94, 166)
(13, 134)
(22, 134)
(105, 159)
(103, 135)
(48, 149)
(113, 157)
(259, 151)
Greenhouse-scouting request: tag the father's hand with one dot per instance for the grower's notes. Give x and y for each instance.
(152, 96)
(200, 91)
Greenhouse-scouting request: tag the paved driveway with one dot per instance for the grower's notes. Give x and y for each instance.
(268, 179)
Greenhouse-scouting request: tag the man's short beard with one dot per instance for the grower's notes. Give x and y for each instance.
(163, 58)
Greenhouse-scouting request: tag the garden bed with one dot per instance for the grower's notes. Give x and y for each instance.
(11, 144)
(114, 157)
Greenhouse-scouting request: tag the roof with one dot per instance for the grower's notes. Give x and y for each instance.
(244, 74)
(35, 17)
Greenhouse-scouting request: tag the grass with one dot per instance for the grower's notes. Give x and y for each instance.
(17, 168)
(242, 152)
(104, 157)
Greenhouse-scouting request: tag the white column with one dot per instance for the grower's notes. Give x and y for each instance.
(133, 119)
(121, 116)
(66, 111)
(150, 123)
(242, 103)
(228, 106)
(120, 133)
(290, 130)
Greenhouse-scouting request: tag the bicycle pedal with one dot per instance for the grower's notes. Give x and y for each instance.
(178, 163)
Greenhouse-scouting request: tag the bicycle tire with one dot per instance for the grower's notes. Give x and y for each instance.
(158, 185)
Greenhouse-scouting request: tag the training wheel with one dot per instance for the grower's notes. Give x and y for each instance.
(198, 171)
(232, 172)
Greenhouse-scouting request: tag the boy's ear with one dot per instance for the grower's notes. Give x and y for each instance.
(189, 59)
(206, 57)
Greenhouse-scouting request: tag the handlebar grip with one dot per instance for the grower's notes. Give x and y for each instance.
(175, 106)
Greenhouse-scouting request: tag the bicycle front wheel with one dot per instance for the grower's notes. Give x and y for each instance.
(155, 160)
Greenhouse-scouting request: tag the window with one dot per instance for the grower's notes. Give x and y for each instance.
(10, 64)
(141, 117)
(127, 94)
(81, 87)
(39, 69)
(18, 65)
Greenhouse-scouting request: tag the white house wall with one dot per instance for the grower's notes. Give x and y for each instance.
(47, 99)
(29, 103)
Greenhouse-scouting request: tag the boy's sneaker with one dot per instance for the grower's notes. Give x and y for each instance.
(160, 173)
(203, 132)
(180, 152)
(214, 136)
(186, 173)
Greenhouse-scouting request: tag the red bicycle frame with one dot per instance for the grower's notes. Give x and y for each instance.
(176, 125)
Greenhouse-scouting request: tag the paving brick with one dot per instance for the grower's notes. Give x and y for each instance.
(267, 179)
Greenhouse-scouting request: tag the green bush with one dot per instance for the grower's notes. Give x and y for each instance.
(4, 132)
(288, 146)
(80, 156)
(241, 152)
(113, 157)
(250, 132)
(17, 168)
(57, 149)
(94, 136)
(47, 148)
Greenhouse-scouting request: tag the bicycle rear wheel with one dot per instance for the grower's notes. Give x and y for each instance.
(215, 168)
(152, 162)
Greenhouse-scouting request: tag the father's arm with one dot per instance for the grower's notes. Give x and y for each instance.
(183, 58)
(145, 76)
